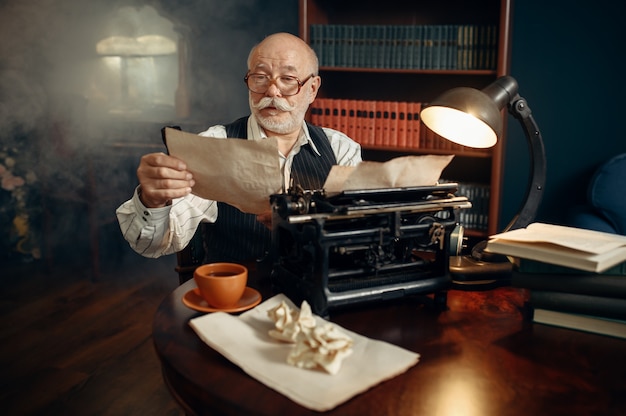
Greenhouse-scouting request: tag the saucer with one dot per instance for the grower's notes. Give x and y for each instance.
(249, 299)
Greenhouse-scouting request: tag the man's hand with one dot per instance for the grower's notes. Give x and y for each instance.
(162, 178)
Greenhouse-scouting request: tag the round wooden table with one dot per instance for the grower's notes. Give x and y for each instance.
(478, 357)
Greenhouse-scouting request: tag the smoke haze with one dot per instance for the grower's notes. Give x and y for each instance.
(62, 105)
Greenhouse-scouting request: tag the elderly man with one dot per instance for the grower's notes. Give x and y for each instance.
(283, 81)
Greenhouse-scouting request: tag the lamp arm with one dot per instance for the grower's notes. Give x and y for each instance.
(519, 109)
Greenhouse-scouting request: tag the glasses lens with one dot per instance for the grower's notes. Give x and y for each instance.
(287, 85)
(259, 83)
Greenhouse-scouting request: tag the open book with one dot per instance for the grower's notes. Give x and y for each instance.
(588, 250)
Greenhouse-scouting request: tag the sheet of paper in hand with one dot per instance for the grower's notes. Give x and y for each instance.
(242, 173)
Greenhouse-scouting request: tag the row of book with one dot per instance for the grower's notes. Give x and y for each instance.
(462, 47)
(575, 299)
(381, 123)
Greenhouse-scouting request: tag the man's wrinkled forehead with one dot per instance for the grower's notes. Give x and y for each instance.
(272, 57)
(265, 66)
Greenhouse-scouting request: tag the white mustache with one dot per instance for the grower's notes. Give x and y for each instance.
(277, 102)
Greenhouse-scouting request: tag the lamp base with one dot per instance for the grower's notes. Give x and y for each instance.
(480, 270)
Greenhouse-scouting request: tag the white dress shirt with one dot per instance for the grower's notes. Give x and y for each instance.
(154, 232)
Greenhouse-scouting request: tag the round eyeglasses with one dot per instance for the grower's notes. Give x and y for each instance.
(286, 84)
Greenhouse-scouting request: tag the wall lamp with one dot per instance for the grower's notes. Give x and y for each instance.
(473, 118)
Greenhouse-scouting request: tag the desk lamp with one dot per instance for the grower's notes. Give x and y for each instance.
(473, 118)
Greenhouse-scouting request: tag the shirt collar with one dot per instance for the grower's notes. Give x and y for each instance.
(255, 132)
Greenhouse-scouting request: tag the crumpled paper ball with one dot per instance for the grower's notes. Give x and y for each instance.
(315, 346)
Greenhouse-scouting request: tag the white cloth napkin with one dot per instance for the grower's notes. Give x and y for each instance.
(244, 340)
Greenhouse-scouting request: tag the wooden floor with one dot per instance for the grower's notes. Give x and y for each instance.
(73, 346)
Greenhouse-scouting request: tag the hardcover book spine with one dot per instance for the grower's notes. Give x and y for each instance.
(437, 45)
(427, 47)
(595, 325)
(402, 124)
(576, 281)
(316, 112)
(463, 46)
(358, 46)
(443, 46)
(415, 124)
(325, 115)
(378, 123)
(409, 47)
(381, 45)
(371, 122)
(352, 119)
(602, 306)
(393, 123)
(453, 48)
(330, 46)
(417, 47)
(386, 140)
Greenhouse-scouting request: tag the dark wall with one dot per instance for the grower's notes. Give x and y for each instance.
(565, 58)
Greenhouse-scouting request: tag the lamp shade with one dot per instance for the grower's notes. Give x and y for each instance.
(468, 116)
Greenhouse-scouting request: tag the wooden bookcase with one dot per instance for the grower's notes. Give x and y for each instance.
(358, 81)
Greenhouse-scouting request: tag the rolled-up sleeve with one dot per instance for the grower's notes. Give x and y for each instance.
(154, 232)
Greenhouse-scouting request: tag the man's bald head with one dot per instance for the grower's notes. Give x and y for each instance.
(289, 43)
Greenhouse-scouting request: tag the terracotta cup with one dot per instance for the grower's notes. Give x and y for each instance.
(221, 284)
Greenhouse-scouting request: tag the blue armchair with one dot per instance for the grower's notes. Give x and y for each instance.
(606, 199)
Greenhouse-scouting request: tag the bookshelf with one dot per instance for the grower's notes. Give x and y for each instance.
(387, 55)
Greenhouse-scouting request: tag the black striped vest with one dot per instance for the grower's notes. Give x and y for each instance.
(236, 236)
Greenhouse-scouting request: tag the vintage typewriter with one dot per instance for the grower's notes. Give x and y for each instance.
(365, 245)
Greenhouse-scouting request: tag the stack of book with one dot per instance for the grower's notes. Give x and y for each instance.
(576, 278)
